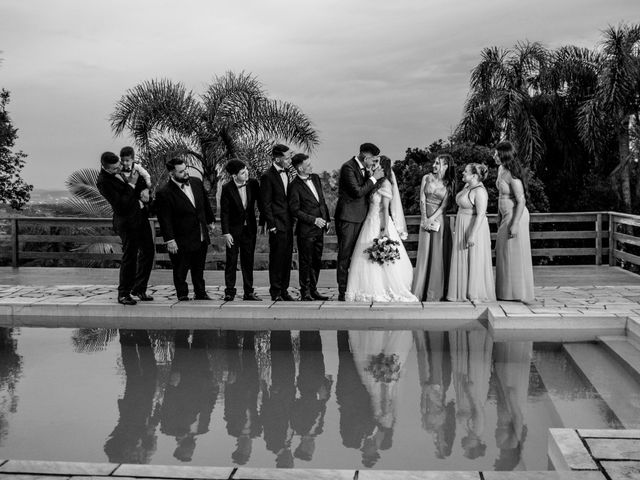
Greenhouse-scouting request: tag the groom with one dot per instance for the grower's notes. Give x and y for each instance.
(353, 188)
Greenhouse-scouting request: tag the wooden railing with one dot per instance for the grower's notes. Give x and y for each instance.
(554, 236)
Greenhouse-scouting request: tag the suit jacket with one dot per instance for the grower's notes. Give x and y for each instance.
(305, 208)
(275, 207)
(233, 215)
(124, 200)
(353, 189)
(179, 219)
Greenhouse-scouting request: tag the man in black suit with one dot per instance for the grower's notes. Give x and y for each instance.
(307, 206)
(273, 191)
(238, 220)
(185, 217)
(353, 188)
(128, 195)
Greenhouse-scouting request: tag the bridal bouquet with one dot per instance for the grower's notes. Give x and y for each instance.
(384, 368)
(383, 250)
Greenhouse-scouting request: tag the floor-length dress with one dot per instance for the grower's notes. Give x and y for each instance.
(434, 249)
(514, 273)
(369, 281)
(471, 272)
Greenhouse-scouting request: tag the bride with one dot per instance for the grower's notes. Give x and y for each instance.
(369, 281)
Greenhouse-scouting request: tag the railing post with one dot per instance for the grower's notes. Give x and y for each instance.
(15, 244)
(598, 239)
(152, 224)
(612, 245)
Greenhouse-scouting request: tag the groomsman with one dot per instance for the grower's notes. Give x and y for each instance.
(354, 186)
(274, 186)
(308, 207)
(238, 219)
(128, 195)
(184, 212)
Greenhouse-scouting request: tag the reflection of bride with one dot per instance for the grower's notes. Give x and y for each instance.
(471, 365)
(379, 358)
(512, 363)
(370, 281)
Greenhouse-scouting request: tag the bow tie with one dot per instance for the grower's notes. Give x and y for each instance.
(241, 186)
(281, 170)
(183, 186)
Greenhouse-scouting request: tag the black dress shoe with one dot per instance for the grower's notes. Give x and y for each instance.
(126, 300)
(341, 297)
(306, 298)
(316, 296)
(229, 298)
(251, 297)
(143, 297)
(202, 297)
(277, 298)
(287, 298)
(184, 298)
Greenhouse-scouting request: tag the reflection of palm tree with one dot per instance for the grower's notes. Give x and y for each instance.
(309, 409)
(190, 394)
(512, 364)
(379, 359)
(278, 398)
(471, 365)
(90, 340)
(10, 370)
(133, 440)
(241, 395)
(434, 370)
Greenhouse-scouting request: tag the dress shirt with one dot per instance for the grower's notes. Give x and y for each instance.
(186, 189)
(284, 176)
(311, 186)
(242, 191)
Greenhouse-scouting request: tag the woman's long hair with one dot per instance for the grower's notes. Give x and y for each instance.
(385, 163)
(449, 178)
(510, 161)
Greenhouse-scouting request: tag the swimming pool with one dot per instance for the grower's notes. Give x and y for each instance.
(408, 400)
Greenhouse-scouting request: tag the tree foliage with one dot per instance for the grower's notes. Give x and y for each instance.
(14, 191)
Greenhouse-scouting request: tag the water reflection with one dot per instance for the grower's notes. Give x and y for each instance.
(133, 440)
(10, 370)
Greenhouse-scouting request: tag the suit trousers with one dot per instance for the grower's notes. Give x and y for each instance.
(245, 245)
(138, 251)
(280, 255)
(182, 262)
(347, 233)
(309, 262)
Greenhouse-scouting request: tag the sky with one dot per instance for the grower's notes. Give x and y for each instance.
(392, 72)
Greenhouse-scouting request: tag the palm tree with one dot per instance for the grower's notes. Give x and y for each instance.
(614, 102)
(505, 87)
(233, 117)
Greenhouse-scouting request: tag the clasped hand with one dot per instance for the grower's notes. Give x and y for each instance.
(320, 222)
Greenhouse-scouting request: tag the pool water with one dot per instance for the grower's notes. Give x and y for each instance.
(349, 399)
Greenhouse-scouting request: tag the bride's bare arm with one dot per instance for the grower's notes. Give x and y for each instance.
(385, 193)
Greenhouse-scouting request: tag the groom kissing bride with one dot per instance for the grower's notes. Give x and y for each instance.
(369, 207)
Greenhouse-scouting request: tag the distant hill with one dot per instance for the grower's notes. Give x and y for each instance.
(43, 195)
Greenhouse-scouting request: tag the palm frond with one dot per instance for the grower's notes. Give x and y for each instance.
(85, 197)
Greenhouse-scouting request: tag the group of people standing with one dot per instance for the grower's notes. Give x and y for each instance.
(453, 266)
(457, 265)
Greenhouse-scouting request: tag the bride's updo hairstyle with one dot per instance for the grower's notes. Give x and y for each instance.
(479, 169)
(385, 163)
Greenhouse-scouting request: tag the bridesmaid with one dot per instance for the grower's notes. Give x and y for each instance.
(434, 244)
(514, 273)
(471, 275)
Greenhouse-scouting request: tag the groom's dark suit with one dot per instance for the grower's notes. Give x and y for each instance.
(305, 207)
(353, 188)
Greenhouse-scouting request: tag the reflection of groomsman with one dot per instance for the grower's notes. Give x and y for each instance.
(241, 395)
(274, 186)
(238, 221)
(309, 409)
(307, 205)
(184, 213)
(133, 440)
(190, 394)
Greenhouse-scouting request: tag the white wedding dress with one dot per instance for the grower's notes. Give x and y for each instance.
(369, 281)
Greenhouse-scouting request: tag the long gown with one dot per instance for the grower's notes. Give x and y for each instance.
(369, 281)
(471, 274)
(514, 273)
(434, 249)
